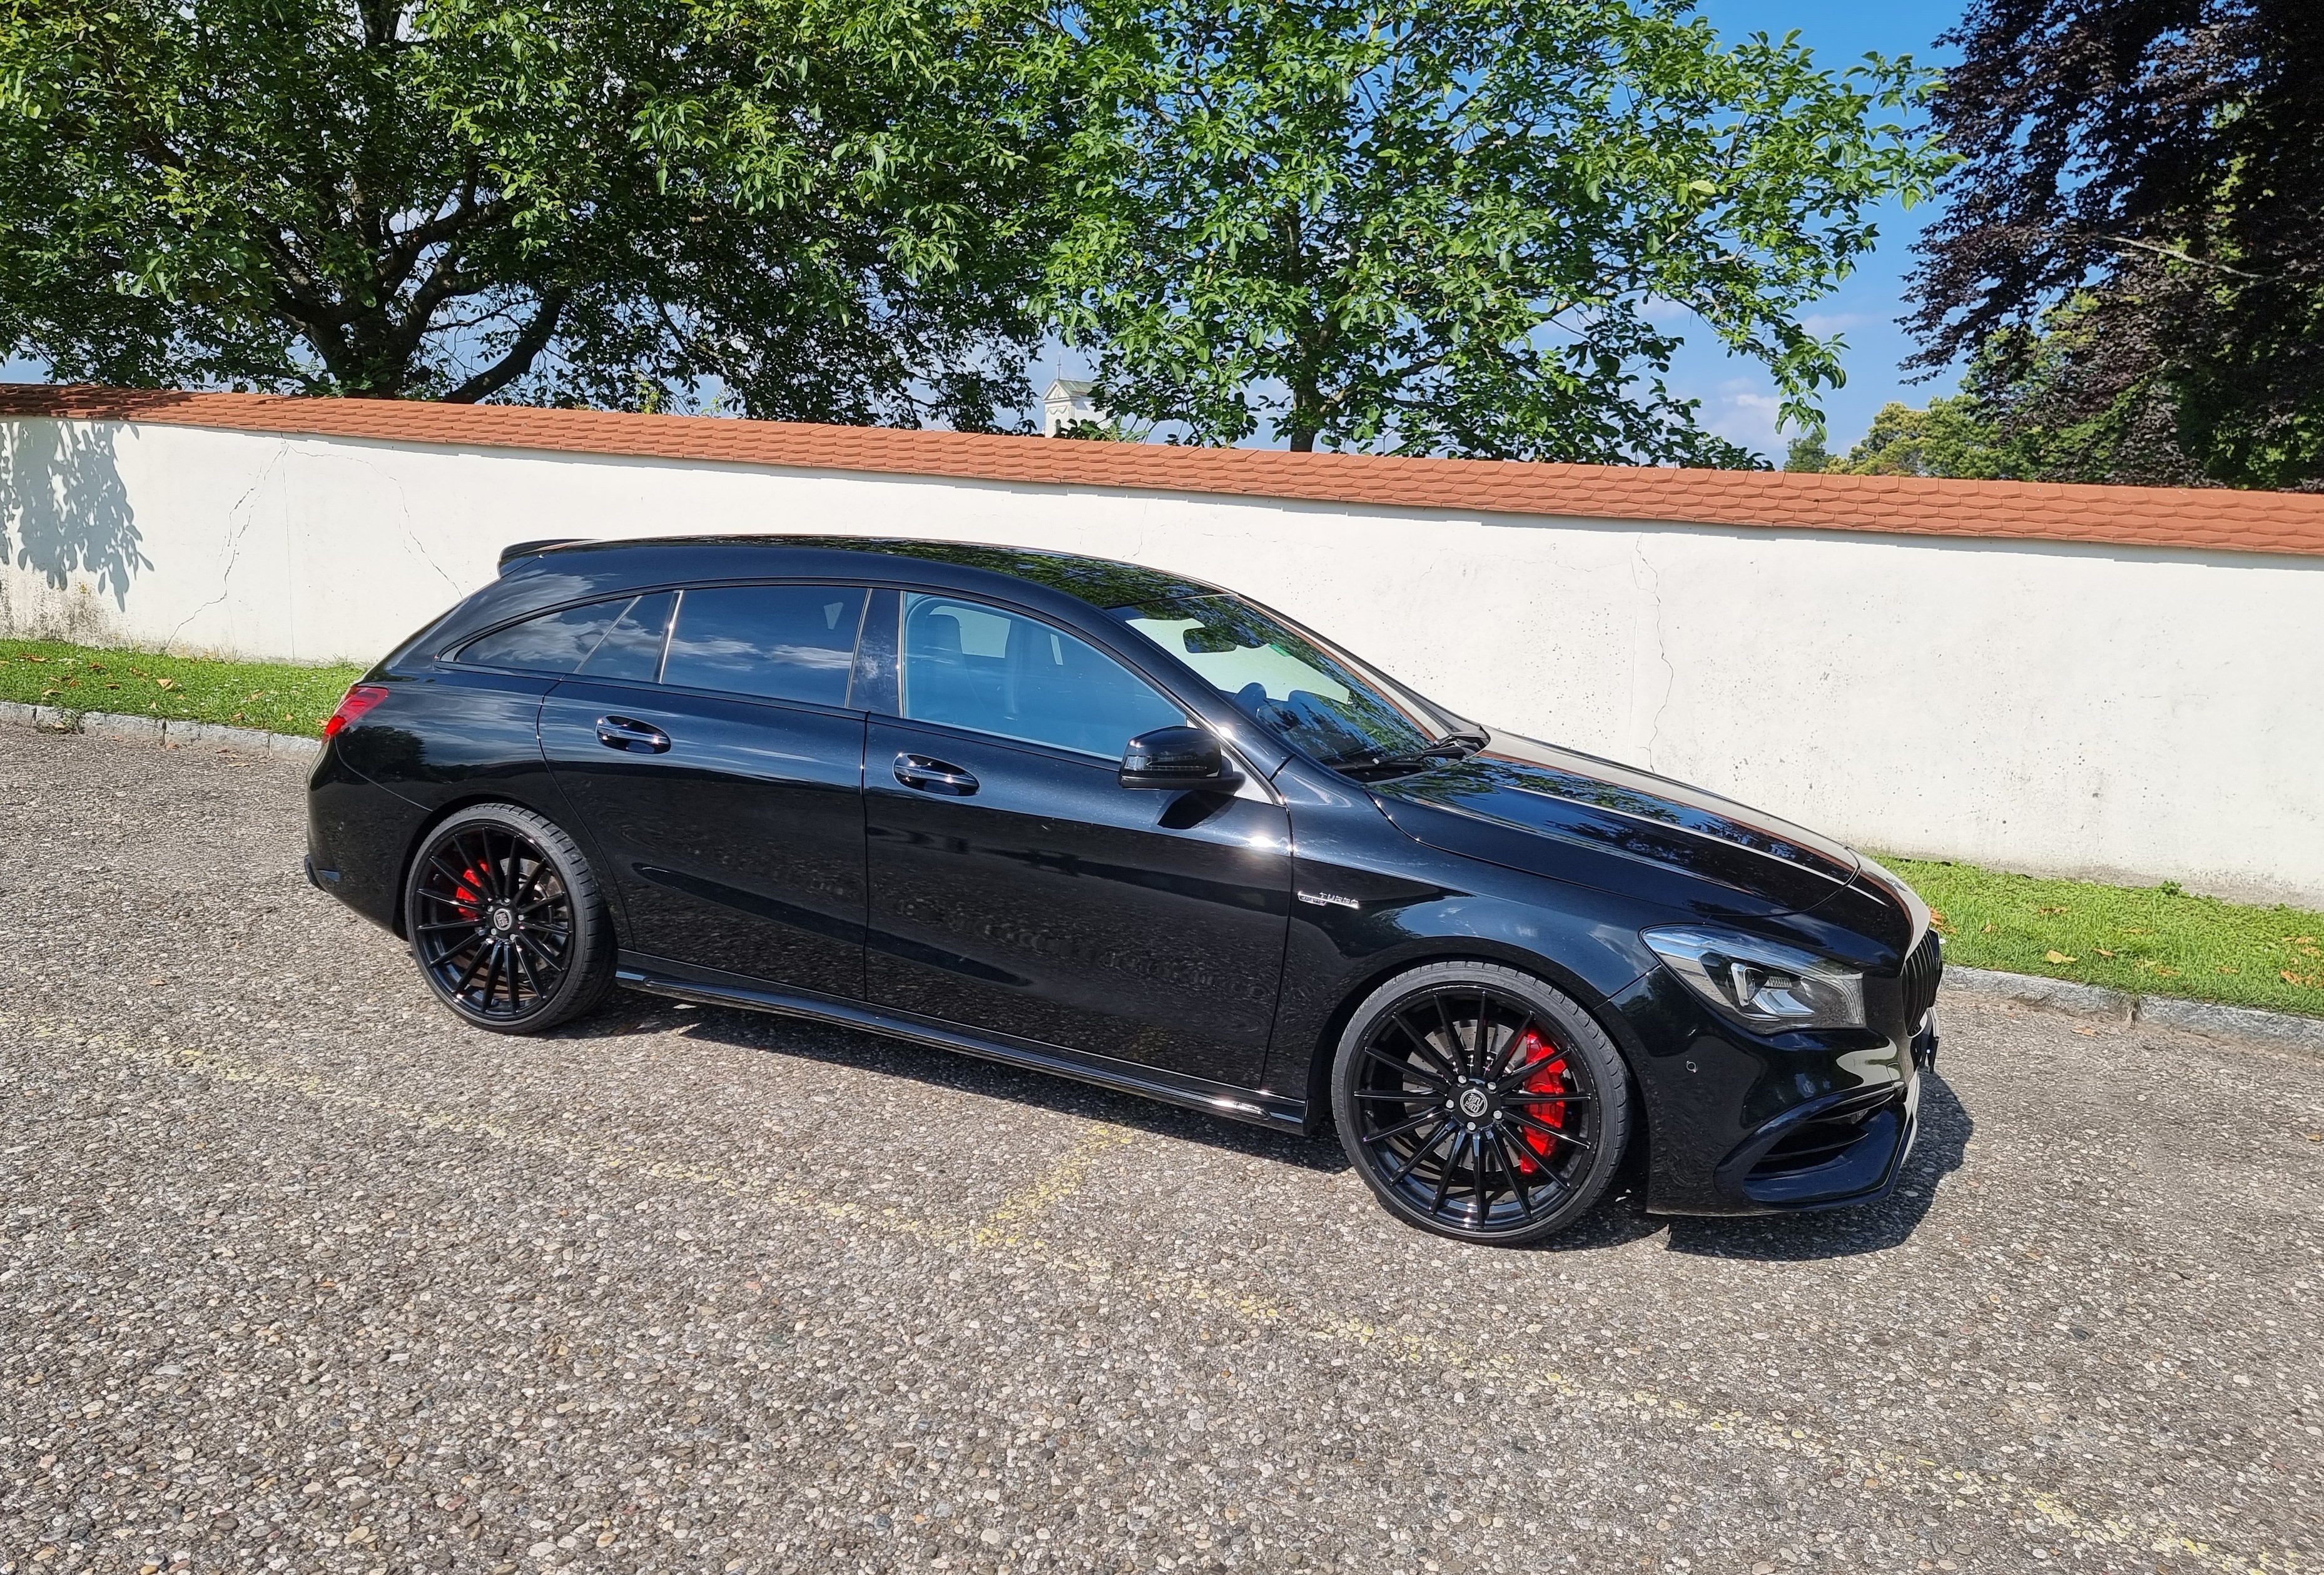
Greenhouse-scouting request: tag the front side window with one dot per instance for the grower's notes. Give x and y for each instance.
(781, 642)
(1310, 697)
(969, 665)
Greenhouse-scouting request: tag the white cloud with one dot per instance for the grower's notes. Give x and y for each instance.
(1744, 411)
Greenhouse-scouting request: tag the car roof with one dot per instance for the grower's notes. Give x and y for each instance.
(1100, 582)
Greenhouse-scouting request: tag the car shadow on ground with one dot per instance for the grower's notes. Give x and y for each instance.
(960, 1073)
(1618, 1220)
(1945, 1127)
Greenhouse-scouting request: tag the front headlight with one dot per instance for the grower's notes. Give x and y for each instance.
(1762, 985)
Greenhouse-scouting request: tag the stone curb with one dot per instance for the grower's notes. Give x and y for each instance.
(155, 730)
(2119, 1006)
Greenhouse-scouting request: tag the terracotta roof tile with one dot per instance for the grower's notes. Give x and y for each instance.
(2242, 521)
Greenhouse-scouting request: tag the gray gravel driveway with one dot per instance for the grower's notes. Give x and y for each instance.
(297, 1274)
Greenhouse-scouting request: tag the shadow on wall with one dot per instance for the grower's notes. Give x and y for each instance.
(63, 507)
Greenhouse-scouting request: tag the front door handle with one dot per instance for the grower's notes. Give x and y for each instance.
(934, 775)
(619, 732)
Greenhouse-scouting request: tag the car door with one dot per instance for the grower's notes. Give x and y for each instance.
(1017, 887)
(719, 768)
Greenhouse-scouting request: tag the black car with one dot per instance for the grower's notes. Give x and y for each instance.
(1123, 826)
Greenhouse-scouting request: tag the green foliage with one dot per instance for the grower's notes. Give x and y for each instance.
(1808, 453)
(2133, 253)
(1459, 225)
(2150, 939)
(1948, 438)
(273, 696)
(834, 210)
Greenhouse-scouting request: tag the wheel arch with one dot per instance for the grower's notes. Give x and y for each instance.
(426, 828)
(1379, 969)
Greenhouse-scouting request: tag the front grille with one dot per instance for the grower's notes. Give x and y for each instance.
(1923, 970)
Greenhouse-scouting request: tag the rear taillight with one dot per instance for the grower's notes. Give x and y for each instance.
(361, 699)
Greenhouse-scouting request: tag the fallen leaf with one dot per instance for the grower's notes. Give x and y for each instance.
(2314, 1136)
(167, 683)
(2088, 1033)
(2225, 968)
(2104, 953)
(2059, 957)
(2045, 912)
(2153, 967)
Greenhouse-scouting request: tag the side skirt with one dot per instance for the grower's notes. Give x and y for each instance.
(705, 987)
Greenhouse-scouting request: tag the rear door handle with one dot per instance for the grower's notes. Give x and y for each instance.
(934, 775)
(619, 732)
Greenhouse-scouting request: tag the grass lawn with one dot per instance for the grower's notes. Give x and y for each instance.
(273, 696)
(2151, 940)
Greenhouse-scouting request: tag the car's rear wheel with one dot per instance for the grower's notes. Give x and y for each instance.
(507, 922)
(1481, 1102)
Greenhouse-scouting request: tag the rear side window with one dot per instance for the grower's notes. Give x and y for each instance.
(782, 642)
(620, 639)
(631, 649)
(555, 642)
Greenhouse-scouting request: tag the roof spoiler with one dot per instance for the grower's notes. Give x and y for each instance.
(516, 550)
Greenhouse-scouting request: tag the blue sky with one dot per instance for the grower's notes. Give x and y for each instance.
(1738, 400)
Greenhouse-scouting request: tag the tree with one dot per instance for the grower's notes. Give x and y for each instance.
(1460, 227)
(1948, 438)
(1808, 453)
(824, 211)
(2134, 247)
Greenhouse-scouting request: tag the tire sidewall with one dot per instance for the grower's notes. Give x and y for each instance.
(590, 968)
(1583, 1036)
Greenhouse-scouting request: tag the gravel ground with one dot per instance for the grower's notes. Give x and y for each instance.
(297, 1274)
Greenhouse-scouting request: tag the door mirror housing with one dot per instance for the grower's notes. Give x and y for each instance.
(1184, 759)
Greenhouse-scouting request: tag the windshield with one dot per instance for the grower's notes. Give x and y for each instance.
(1312, 697)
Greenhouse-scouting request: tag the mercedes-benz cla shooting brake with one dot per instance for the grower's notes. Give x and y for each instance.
(1122, 826)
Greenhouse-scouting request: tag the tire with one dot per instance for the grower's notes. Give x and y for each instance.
(507, 922)
(1505, 1136)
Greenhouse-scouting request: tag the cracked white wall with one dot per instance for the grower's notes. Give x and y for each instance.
(2036, 706)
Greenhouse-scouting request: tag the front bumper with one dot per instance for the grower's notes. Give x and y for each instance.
(1837, 1151)
(1736, 1125)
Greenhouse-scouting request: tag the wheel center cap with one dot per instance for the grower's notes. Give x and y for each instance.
(1474, 1103)
(502, 919)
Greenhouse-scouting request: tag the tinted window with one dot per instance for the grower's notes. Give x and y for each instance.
(631, 649)
(555, 642)
(787, 642)
(972, 666)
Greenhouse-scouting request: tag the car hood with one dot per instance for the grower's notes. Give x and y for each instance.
(1572, 816)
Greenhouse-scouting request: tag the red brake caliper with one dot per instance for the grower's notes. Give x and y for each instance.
(1548, 1078)
(465, 896)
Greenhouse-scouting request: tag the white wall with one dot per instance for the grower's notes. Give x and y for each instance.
(2055, 709)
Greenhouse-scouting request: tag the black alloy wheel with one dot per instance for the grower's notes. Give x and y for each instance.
(506, 921)
(1479, 1102)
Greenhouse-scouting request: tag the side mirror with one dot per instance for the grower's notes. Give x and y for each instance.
(1185, 759)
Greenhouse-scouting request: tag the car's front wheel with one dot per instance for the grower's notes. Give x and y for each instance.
(1481, 1102)
(506, 921)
